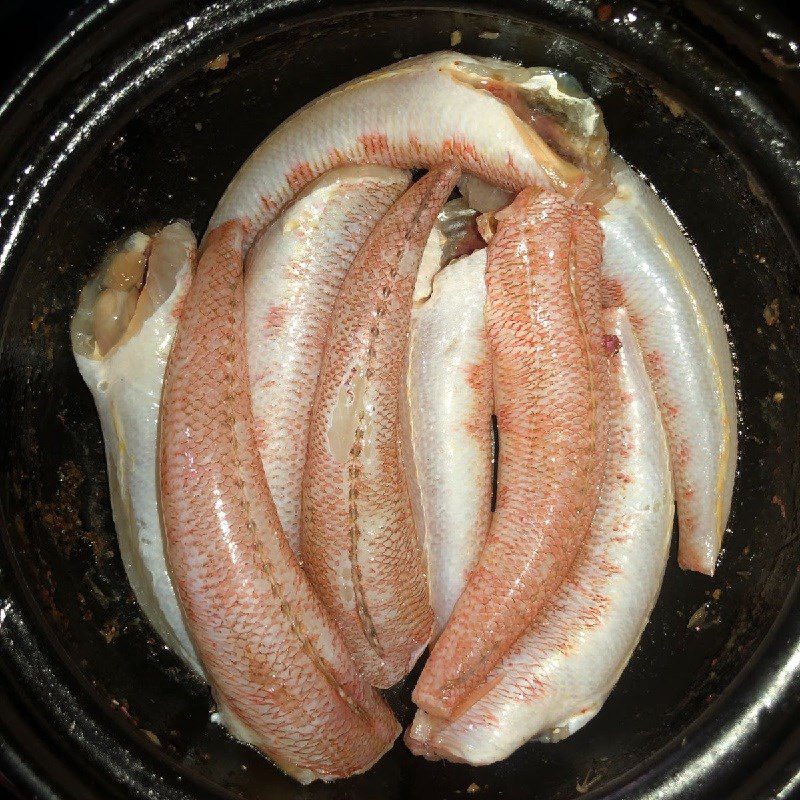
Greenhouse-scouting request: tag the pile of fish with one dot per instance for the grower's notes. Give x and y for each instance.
(298, 418)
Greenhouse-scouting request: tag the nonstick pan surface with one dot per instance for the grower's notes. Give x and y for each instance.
(123, 125)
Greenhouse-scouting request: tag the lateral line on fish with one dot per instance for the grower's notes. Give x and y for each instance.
(354, 469)
(576, 304)
(355, 473)
(295, 623)
(355, 465)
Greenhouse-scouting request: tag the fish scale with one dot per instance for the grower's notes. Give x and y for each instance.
(254, 618)
(557, 675)
(550, 381)
(293, 275)
(359, 544)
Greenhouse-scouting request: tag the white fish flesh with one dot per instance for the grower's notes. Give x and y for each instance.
(651, 268)
(126, 385)
(447, 434)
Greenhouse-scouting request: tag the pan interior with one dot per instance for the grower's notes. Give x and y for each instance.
(171, 158)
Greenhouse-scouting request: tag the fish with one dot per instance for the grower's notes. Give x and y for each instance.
(149, 276)
(277, 663)
(466, 110)
(231, 506)
(550, 381)
(651, 268)
(447, 405)
(293, 274)
(461, 115)
(359, 545)
(559, 673)
(126, 383)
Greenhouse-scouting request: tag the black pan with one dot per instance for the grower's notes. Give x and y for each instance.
(120, 125)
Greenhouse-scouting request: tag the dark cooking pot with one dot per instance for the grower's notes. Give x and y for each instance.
(121, 125)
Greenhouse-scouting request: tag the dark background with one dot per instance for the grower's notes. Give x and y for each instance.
(28, 26)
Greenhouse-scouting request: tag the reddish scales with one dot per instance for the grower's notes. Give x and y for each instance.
(359, 544)
(270, 650)
(550, 379)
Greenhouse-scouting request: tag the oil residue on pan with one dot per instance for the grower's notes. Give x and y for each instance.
(132, 129)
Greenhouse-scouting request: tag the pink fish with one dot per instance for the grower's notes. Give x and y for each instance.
(550, 383)
(557, 675)
(278, 665)
(359, 545)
